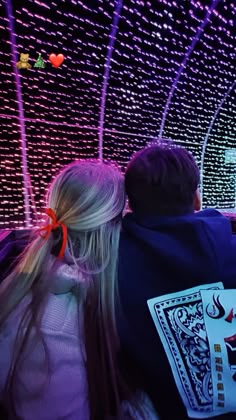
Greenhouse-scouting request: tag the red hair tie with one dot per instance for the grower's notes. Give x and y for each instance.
(51, 226)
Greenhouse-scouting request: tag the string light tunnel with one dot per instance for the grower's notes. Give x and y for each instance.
(133, 71)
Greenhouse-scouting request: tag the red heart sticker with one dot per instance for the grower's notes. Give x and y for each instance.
(56, 60)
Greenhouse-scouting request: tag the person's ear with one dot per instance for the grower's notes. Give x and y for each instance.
(127, 208)
(197, 201)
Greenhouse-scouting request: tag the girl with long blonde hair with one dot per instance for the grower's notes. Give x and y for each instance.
(58, 338)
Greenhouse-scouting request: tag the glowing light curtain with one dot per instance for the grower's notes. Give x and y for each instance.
(109, 98)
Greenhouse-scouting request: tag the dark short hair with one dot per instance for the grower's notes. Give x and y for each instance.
(161, 180)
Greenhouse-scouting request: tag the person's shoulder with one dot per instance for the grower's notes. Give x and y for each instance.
(214, 217)
(209, 212)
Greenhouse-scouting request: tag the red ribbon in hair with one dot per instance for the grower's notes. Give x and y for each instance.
(51, 226)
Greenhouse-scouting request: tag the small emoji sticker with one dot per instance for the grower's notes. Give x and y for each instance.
(40, 63)
(56, 60)
(23, 63)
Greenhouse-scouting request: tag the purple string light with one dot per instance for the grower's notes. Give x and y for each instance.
(23, 140)
(208, 134)
(106, 76)
(184, 62)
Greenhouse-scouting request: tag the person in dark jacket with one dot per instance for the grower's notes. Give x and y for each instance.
(168, 246)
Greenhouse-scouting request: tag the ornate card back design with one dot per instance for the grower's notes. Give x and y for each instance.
(179, 320)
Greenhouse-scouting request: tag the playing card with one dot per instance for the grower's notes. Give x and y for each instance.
(179, 320)
(219, 309)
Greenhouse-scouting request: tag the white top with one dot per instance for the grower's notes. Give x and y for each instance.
(63, 394)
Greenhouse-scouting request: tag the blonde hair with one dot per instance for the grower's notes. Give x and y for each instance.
(88, 197)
